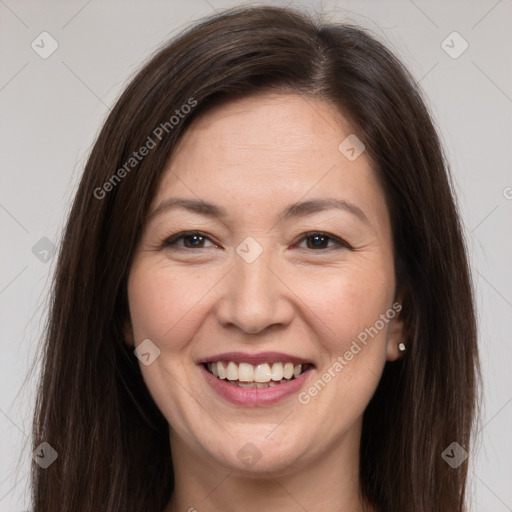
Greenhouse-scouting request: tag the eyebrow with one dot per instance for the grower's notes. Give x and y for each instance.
(300, 209)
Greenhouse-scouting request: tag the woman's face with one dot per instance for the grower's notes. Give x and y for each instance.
(293, 263)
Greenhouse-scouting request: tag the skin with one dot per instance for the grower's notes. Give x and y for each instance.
(254, 157)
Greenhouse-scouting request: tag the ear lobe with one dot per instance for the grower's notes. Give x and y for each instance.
(396, 333)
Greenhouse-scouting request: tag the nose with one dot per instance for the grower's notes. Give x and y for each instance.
(254, 297)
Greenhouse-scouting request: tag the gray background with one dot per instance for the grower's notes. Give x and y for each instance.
(52, 109)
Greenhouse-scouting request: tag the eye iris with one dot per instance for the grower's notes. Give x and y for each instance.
(318, 240)
(195, 238)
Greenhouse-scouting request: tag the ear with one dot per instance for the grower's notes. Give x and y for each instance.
(396, 332)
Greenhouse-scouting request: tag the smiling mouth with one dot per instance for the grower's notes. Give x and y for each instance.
(246, 375)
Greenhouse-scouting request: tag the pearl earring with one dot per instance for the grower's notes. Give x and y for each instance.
(401, 347)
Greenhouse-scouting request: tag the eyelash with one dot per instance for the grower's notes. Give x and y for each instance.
(170, 242)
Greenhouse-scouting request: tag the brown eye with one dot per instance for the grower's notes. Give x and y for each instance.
(318, 241)
(191, 240)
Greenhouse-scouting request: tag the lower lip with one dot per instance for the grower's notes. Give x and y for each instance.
(254, 397)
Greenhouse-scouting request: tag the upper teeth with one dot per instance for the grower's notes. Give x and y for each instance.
(245, 372)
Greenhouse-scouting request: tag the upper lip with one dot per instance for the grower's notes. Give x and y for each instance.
(259, 358)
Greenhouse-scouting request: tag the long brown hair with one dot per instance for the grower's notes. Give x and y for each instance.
(93, 407)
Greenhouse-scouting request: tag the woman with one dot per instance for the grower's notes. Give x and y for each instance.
(262, 298)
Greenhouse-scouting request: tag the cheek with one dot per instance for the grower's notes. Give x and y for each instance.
(347, 300)
(164, 303)
(354, 341)
(165, 307)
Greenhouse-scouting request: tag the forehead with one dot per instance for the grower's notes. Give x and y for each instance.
(260, 151)
(269, 127)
